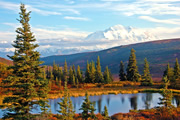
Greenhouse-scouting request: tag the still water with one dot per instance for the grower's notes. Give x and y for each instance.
(115, 103)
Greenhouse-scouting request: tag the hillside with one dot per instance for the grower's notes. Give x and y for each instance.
(5, 61)
(158, 53)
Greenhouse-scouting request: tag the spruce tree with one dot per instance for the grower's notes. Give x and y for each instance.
(87, 107)
(92, 72)
(146, 77)
(170, 75)
(165, 82)
(55, 70)
(98, 73)
(167, 98)
(66, 107)
(132, 69)
(105, 114)
(71, 75)
(79, 75)
(26, 81)
(74, 70)
(122, 75)
(65, 72)
(176, 71)
(106, 75)
(87, 74)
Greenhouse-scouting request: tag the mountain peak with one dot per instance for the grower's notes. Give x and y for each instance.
(126, 35)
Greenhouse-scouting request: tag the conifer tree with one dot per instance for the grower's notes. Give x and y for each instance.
(79, 75)
(105, 114)
(169, 73)
(132, 69)
(165, 82)
(71, 75)
(92, 72)
(87, 74)
(66, 107)
(107, 78)
(167, 98)
(74, 70)
(55, 70)
(74, 80)
(60, 73)
(98, 73)
(176, 71)
(77, 83)
(26, 81)
(65, 72)
(87, 107)
(146, 77)
(92, 109)
(122, 75)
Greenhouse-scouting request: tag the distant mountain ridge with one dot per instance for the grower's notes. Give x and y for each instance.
(158, 53)
(113, 36)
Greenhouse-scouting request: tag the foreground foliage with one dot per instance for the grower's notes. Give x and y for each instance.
(26, 82)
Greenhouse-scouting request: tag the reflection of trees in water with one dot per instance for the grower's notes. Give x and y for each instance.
(99, 104)
(177, 100)
(108, 100)
(133, 102)
(147, 100)
(122, 99)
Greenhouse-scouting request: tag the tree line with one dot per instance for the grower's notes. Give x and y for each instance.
(170, 77)
(93, 74)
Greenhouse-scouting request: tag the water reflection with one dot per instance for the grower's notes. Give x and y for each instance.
(133, 101)
(147, 100)
(115, 103)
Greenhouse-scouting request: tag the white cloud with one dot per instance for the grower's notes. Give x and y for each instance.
(165, 32)
(168, 21)
(76, 18)
(147, 7)
(161, 1)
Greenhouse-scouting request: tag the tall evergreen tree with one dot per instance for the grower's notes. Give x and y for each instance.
(65, 72)
(74, 70)
(92, 72)
(71, 75)
(176, 70)
(169, 73)
(66, 107)
(106, 75)
(87, 74)
(122, 74)
(132, 69)
(87, 107)
(98, 73)
(79, 75)
(146, 77)
(26, 81)
(55, 70)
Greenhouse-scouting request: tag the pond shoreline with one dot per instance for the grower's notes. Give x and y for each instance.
(81, 92)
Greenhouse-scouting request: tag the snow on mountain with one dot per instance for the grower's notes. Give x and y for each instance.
(114, 36)
(123, 34)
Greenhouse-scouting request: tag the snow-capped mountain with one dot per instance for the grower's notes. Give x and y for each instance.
(114, 36)
(123, 34)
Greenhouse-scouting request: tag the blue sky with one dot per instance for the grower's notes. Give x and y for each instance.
(70, 19)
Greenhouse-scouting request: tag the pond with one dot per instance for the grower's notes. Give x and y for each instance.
(115, 103)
